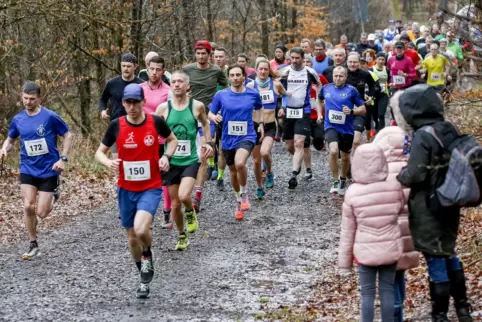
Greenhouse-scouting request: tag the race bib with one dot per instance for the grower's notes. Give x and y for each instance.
(36, 147)
(399, 80)
(137, 170)
(336, 117)
(383, 87)
(435, 77)
(267, 97)
(294, 113)
(183, 148)
(237, 128)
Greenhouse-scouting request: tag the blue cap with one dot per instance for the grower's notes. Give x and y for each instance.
(133, 92)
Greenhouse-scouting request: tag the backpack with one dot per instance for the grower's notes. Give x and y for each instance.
(463, 182)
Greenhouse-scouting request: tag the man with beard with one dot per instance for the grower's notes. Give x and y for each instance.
(110, 103)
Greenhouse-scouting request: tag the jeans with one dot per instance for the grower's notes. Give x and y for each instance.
(386, 282)
(439, 267)
(399, 295)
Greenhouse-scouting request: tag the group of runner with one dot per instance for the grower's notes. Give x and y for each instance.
(171, 132)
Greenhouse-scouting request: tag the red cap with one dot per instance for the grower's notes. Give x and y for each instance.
(203, 44)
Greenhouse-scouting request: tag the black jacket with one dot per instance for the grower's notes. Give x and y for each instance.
(434, 230)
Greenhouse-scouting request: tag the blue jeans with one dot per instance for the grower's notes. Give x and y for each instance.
(368, 281)
(439, 267)
(399, 295)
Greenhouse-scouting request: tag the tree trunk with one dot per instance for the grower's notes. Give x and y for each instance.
(293, 22)
(187, 17)
(210, 21)
(136, 26)
(264, 28)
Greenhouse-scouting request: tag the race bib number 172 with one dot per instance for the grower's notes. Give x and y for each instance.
(36, 147)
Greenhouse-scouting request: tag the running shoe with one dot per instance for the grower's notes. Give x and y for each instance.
(308, 176)
(293, 183)
(372, 133)
(245, 205)
(277, 138)
(239, 213)
(214, 175)
(335, 187)
(192, 223)
(167, 224)
(260, 193)
(196, 204)
(147, 269)
(32, 252)
(220, 184)
(143, 291)
(269, 180)
(342, 188)
(182, 242)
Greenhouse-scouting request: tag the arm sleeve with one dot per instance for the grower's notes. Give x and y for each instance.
(13, 132)
(104, 98)
(323, 79)
(161, 126)
(59, 125)
(416, 170)
(222, 80)
(389, 75)
(347, 237)
(111, 134)
(215, 104)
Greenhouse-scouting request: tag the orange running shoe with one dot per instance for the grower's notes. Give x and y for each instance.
(372, 133)
(239, 214)
(245, 205)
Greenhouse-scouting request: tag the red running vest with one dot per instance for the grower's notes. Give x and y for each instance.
(138, 148)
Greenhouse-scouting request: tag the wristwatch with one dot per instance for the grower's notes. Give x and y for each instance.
(352, 112)
(64, 158)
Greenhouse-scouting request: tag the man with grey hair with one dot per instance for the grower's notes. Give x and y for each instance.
(339, 56)
(182, 115)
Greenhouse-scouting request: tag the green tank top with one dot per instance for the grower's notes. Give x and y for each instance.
(184, 125)
(383, 76)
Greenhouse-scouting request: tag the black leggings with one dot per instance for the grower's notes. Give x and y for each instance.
(381, 104)
(372, 114)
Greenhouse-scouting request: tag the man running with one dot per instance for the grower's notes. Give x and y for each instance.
(139, 182)
(204, 79)
(339, 57)
(401, 68)
(305, 44)
(342, 102)
(297, 80)
(156, 92)
(269, 90)
(111, 98)
(40, 162)
(182, 116)
(436, 69)
(237, 105)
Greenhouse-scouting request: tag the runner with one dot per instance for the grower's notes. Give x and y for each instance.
(401, 68)
(144, 73)
(305, 44)
(182, 115)
(436, 69)
(279, 57)
(110, 102)
(204, 79)
(298, 80)
(321, 61)
(40, 162)
(342, 102)
(269, 90)
(412, 53)
(139, 182)
(156, 92)
(359, 79)
(391, 31)
(339, 57)
(343, 42)
(243, 61)
(381, 100)
(237, 105)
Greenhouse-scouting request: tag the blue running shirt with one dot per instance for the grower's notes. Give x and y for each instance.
(237, 112)
(335, 98)
(38, 138)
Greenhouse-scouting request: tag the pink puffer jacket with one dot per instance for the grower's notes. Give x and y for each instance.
(369, 225)
(392, 141)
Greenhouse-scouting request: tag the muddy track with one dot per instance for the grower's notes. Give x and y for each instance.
(85, 272)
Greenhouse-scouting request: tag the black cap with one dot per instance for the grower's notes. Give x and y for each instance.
(382, 54)
(399, 44)
(350, 46)
(129, 58)
(405, 37)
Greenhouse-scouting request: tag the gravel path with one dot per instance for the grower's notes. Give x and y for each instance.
(85, 272)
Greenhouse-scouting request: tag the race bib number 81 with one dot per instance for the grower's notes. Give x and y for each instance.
(137, 170)
(237, 128)
(294, 113)
(36, 147)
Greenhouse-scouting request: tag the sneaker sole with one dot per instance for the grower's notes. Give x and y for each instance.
(27, 257)
(170, 226)
(239, 217)
(143, 296)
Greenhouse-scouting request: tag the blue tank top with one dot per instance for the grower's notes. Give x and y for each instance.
(268, 97)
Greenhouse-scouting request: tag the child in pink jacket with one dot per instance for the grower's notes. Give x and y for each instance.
(369, 230)
(395, 143)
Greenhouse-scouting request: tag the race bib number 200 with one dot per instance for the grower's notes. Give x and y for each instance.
(36, 147)
(137, 170)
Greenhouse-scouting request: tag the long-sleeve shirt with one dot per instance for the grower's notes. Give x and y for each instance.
(405, 64)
